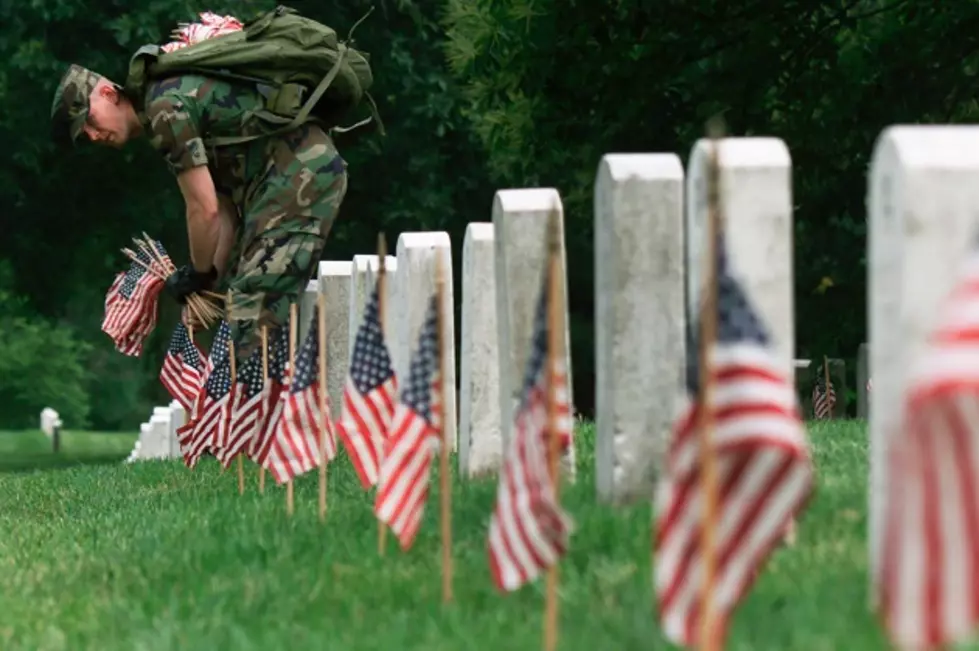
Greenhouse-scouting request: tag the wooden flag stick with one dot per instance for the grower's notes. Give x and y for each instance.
(826, 386)
(555, 344)
(445, 483)
(290, 500)
(265, 382)
(382, 254)
(709, 638)
(324, 416)
(234, 382)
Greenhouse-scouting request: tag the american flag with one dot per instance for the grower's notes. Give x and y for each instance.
(368, 397)
(412, 439)
(296, 442)
(209, 415)
(246, 409)
(182, 368)
(764, 471)
(529, 530)
(274, 396)
(823, 401)
(929, 584)
(131, 305)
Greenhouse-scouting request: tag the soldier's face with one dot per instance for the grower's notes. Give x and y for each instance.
(110, 117)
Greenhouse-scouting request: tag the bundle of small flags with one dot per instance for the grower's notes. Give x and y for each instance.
(132, 299)
(210, 25)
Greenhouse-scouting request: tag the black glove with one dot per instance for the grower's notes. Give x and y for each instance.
(186, 280)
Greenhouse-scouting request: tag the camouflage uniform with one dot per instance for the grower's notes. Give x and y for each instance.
(287, 189)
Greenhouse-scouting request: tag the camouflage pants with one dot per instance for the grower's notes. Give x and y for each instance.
(287, 216)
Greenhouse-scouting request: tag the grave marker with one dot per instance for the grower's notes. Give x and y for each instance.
(923, 203)
(415, 284)
(520, 219)
(639, 319)
(334, 281)
(480, 442)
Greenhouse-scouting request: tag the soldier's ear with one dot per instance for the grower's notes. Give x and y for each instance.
(109, 92)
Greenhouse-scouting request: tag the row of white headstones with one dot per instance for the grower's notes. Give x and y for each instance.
(649, 218)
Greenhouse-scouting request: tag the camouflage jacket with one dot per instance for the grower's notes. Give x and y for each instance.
(180, 112)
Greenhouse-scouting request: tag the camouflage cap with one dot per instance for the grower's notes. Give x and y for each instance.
(69, 110)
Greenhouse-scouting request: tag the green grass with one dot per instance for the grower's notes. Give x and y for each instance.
(153, 556)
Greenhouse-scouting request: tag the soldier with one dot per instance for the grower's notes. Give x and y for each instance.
(258, 213)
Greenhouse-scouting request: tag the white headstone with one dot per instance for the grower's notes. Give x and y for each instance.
(756, 205)
(159, 433)
(334, 281)
(49, 420)
(520, 218)
(178, 417)
(923, 210)
(363, 276)
(480, 442)
(415, 285)
(639, 319)
(144, 444)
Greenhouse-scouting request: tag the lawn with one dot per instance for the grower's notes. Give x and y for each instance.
(153, 556)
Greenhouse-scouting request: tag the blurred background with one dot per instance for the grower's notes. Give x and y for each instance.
(475, 95)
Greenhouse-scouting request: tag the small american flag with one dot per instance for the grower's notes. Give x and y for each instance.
(131, 305)
(929, 584)
(368, 397)
(182, 368)
(295, 445)
(246, 408)
(209, 415)
(823, 401)
(529, 530)
(412, 439)
(764, 471)
(274, 395)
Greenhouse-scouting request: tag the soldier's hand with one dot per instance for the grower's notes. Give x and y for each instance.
(186, 280)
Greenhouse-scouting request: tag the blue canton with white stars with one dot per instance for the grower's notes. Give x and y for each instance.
(219, 346)
(538, 347)
(417, 394)
(370, 364)
(279, 356)
(136, 270)
(308, 360)
(180, 344)
(737, 322)
(250, 376)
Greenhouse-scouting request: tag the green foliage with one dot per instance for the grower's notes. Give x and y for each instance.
(41, 365)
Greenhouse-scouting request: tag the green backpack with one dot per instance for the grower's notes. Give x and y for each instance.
(301, 68)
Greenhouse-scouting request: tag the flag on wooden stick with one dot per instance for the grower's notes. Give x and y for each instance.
(369, 396)
(274, 394)
(413, 438)
(929, 582)
(528, 530)
(764, 470)
(823, 397)
(183, 368)
(295, 446)
(209, 415)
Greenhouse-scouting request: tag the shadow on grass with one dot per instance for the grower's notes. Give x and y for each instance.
(24, 463)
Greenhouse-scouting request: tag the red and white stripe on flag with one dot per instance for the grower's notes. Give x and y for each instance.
(929, 583)
(529, 530)
(765, 478)
(295, 445)
(364, 426)
(406, 467)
